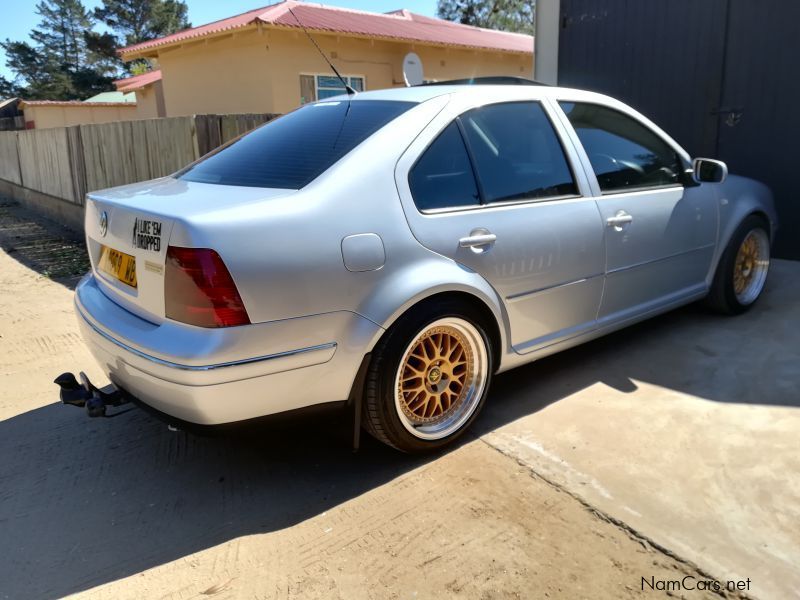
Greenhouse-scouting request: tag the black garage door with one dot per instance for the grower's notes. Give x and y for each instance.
(721, 76)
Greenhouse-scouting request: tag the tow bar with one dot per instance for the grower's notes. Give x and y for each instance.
(86, 394)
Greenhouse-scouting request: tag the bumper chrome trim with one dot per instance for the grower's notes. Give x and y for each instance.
(182, 367)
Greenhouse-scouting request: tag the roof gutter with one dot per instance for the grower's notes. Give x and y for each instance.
(74, 103)
(259, 25)
(153, 47)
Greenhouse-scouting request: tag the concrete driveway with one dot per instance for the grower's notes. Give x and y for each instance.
(686, 428)
(665, 450)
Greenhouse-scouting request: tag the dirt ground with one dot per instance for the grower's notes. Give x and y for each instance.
(124, 508)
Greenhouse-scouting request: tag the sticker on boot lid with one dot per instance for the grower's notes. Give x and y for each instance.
(147, 235)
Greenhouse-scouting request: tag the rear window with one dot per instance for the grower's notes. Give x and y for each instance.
(295, 149)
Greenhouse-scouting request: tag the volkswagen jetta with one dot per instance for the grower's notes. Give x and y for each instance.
(401, 247)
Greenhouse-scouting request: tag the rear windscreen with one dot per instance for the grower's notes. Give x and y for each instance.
(291, 151)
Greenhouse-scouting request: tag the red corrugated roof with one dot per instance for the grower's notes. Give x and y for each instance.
(398, 25)
(137, 82)
(24, 103)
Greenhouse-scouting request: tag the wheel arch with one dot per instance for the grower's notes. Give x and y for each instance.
(760, 213)
(371, 393)
(487, 317)
(432, 283)
(741, 198)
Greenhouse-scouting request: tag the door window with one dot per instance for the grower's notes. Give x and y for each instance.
(443, 176)
(516, 153)
(624, 153)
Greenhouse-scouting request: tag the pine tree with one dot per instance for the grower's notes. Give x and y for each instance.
(60, 32)
(32, 68)
(58, 65)
(505, 15)
(135, 21)
(8, 89)
(169, 16)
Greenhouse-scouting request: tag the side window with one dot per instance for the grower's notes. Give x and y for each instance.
(624, 153)
(443, 177)
(516, 152)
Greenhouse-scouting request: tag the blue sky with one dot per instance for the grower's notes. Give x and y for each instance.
(19, 17)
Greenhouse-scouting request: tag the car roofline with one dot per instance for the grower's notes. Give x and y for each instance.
(425, 92)
(491, 80)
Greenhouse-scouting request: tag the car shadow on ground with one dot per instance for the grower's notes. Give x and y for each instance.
(138, 495)
(133, 495)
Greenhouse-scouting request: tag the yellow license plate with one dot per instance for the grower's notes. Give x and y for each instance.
(118, 264)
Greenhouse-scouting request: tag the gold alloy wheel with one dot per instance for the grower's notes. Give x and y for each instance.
(746, 260)
(434, 374)
(441, 378)
(751, 265)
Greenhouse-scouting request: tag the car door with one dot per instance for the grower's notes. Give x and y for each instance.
(492, 188)
(661, 227)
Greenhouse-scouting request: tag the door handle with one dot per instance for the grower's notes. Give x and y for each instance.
(479, 240)
(483, 239)
(619, 220)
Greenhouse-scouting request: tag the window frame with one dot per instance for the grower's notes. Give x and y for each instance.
(347, 76)
(682, 182)
(447, 209)
(571, 160)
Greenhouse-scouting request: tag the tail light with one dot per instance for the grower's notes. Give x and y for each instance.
(199, 289)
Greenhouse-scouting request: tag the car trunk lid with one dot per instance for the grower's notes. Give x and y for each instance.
(128, 231)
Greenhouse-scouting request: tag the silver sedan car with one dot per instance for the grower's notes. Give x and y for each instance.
(395, 249)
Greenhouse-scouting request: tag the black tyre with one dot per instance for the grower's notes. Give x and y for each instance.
(428, 377)
(743, 268)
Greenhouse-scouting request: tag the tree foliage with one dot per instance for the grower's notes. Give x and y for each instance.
(66, 58)
(56, 63)
(60, 32)
(135, 21)
(505, 15)
(8, 89)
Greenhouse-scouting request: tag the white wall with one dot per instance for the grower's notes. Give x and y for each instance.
(548, 27)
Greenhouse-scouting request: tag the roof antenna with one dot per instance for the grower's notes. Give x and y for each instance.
(350, 91)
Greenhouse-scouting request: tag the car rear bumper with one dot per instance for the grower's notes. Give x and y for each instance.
(215, 376)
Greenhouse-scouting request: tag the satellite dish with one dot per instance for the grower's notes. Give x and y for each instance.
(412, 69)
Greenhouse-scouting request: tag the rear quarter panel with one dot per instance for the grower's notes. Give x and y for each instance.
(285, 253)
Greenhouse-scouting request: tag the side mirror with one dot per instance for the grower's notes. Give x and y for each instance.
(706, 170)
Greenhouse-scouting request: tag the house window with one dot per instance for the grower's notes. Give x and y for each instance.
(319, 87)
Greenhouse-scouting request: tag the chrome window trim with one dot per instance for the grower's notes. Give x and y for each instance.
(644, 188)
(534, 200)
(441, 211)
(182, 367)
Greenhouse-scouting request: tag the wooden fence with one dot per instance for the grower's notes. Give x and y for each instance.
(68, 162)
